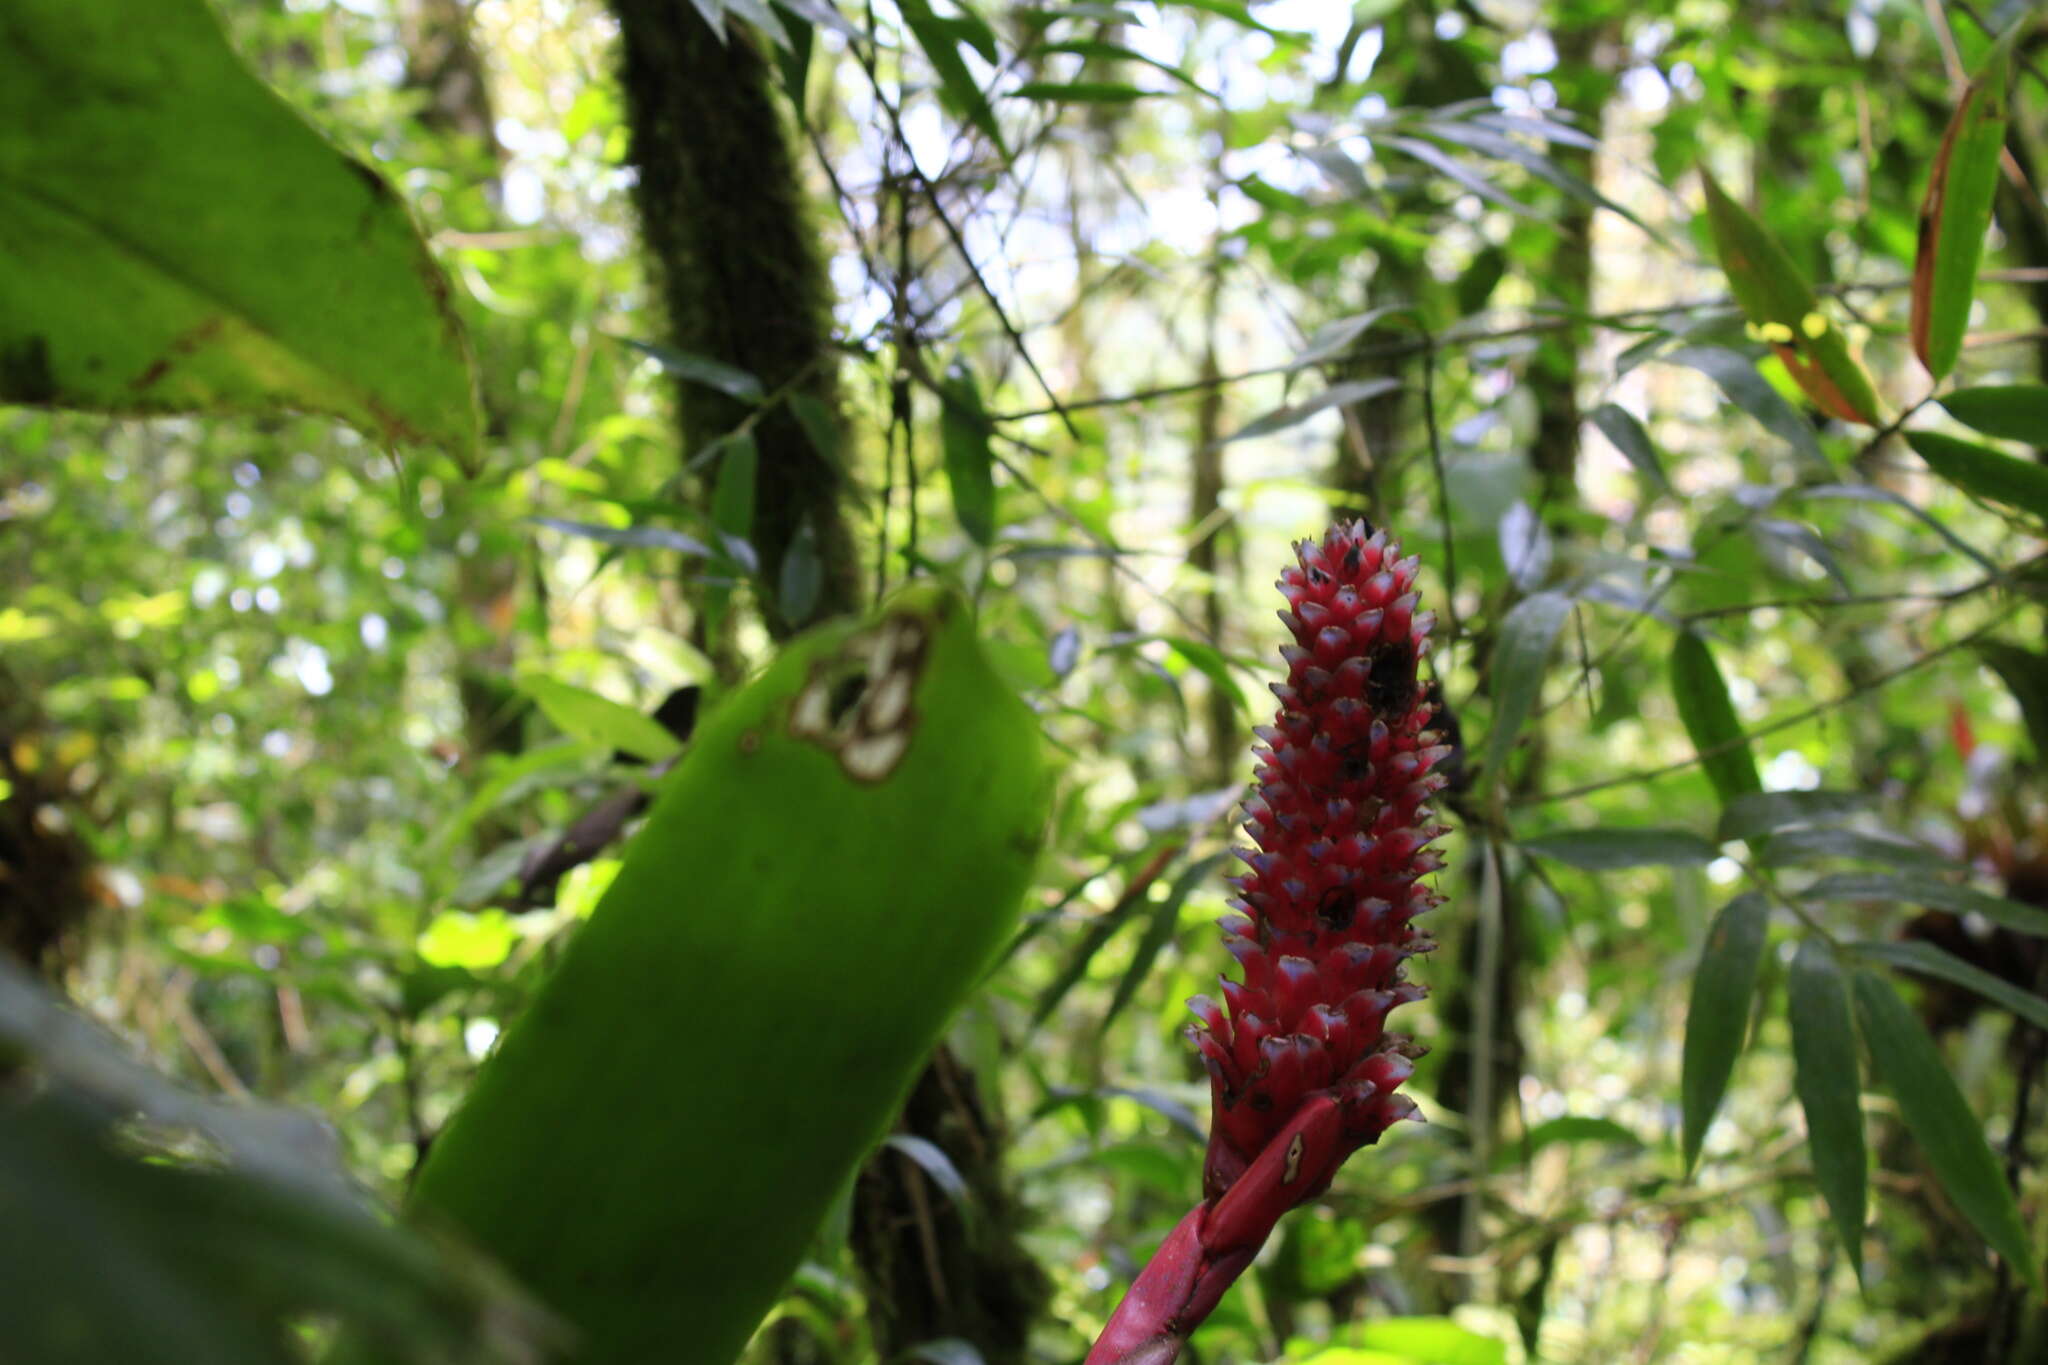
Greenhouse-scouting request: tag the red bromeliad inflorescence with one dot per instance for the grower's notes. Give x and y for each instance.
(1302, 1072)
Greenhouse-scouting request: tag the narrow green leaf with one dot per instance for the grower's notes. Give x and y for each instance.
(2010, 412)
(1957, 210)
(1761, 813)
(2025, 674)
(1793, 846)
(1949, 1134)
(1717, 1022)
(1784, 313)
(940, 38)
(1520, 655)
(964, 430)
(179, 239)
(1080, 92)
(1608, 848)
(803, 576)
(1922, 891)
(1621, 428)
(583, 714)
(1710, 719)
(700, 369)
(732, 497)
(1165, 919)
(819, 425)
(1097, 50)
(1352, 391)
(1208, 660)
(1101, 930)
(1928, 960)
(1983, 472)
(1826, 1075)
(1736, 376)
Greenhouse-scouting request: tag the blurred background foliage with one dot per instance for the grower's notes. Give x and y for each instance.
(1095, 307)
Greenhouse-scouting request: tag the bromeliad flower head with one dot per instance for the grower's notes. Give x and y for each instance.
(1339, 818)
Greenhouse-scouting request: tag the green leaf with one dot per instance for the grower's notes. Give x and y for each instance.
(1949, 1134)
(1709, 719)
(1763, 813)
(1736, 376)
(970, 464)
(1983, 472)
(940, 38)
(584, 715)
(1279, 419)
(1621, 428)
(1928, 960)
(1080, 92)
(732, 497)
(1826, 1076)
(2010, 412)
(1717, 1022)
(1097, 50)
(2025, 674)
(1208, 660)
(1520, 656)
(1957, 210)
(1921, 891)
(1165, 919)
(701, 369)
(1407, 1341)
(1611, 847)
(1793, 846)
(1572, 1129)
(1784, 313)
(475, 941)
(178, 239)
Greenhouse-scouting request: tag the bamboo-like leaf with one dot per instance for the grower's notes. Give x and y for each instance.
(1761, 813)
(1827, 1074)
(2025, 674)
(1793, 846)
(1621, 428)
(1928, 960)
(732, 497)
(963, 428)
(1165, 919)
(583, 714)
(1949, 1134)
(1710, 719)
(1921, 891)
(1736, 376)
(1520, 656)
(1717, 1021)
(1353, 391)
(176, 238)
(1784, 312)
(940, 38)
(2010, 412)
(1080, 92)
(1957, 210)
(1983, 472)
(1611, 847)
(700, 369)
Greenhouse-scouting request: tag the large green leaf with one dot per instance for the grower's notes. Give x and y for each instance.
(1783, 311)
(1957, 210)
(1717, 1022)
(1949, 1133)
(825, 876)
(1710, 719)
(1827, 1073)
(177, 239)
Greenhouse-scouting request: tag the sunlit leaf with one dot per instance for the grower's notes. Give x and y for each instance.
(1710, 719)
(1717, 1021)
(1827, 1076)
(1784, 312)
(1948, 1132)
(581, 713)
(1983, 472)
(940, 38)
(1957, 210)
(178, 239)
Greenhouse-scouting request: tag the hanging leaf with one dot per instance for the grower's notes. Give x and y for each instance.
(1626, 434)
(700, 369)
(1763, 813)
(1949, 1134)
(1165, 919)
(1736, 376)
(940, 38)
(583, 714)
(732, 497)
(1606, 849)
(178, 239)
(1353, 391)
(1794, 846)
(1717, 1021)
(1927, 960)
(2025, 674)
(1783, 311)
(1983, 472)
(963, 427)
(1957, 210)
(2010, 412)
(1826, 1076)
(1520, 655)
(1709, 718)
(1912, 890)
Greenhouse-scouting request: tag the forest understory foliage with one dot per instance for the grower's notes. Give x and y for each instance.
(524, 525)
